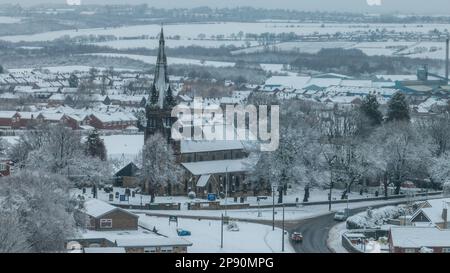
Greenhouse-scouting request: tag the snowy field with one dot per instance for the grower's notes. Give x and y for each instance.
(154, 43)
(65, 69)
(206, 235)
(432, 50)
(225, 29)
(152, 60)
(123, 147)
(9, 20)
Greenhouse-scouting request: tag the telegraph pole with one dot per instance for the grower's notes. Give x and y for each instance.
(221, 232)
(282, 237)
(273, 208)
(226, 190)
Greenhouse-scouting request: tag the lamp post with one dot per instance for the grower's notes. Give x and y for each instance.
(226, 190)
(221, 232)
(282, 237)
(273, 206)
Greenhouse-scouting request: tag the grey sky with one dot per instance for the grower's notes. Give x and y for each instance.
(402, 6)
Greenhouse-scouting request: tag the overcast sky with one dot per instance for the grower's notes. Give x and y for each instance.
(402, 6)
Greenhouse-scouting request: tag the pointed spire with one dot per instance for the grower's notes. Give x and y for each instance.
(161, 81)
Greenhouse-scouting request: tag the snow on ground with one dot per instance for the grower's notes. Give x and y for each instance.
(10, 139)
(65, 69)
(334, 240)
(291, 213)
(119, 149)
(206, 235)
(192, 30)
(170, 43)
(9, 20)
(123, 147)
(152, 60)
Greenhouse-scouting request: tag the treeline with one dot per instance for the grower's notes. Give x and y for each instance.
(355, 62)
(348, 147)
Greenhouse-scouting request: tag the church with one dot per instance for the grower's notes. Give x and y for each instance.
(211, 166)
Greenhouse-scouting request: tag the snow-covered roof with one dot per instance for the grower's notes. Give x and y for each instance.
(192, 146)
(136, 238)
(203, 180)
(296, 82)
(417, 237)
(220, 166)
(104, 250)
(97, 208)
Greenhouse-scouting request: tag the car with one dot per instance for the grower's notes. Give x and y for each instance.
(183, 232)
(296, 237)
(342, 215)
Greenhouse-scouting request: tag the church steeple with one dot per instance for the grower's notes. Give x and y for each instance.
(161, 84)
(161, 100)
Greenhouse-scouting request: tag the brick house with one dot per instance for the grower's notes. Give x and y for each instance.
(16, 120)
(103, 216)
(414, 239)
(433, 213)
(111, 121)
(5, 168)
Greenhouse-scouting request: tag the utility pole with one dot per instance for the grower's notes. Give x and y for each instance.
(221, 232)
(282, 237)
(273, 208)
(226, 190)
(329, 198)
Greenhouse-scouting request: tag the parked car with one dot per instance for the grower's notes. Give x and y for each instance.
(183, 232)
(342, 215)
(296, 237)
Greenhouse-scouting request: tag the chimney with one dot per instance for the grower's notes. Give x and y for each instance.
(444, 216)
(446, 59)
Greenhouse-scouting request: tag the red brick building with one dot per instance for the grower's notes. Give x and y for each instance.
(415, 239)
(111, 121)
(103, 216)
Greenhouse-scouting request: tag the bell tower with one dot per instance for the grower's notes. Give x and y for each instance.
(161, 101)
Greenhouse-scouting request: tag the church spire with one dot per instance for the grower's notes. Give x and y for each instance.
(161, 81)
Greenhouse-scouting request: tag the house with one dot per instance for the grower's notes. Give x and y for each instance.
(103, 216)
(94, 250)
(111, 121)
(135, 241)
(127, 176)
(218, 176)
(5, 167)
(16, 120)
(414, 239)
(433, 213)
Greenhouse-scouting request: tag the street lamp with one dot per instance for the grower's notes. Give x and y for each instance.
(282, 237)
(273, 205)
(226, 190)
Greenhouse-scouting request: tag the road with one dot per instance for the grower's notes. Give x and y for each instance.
(315, 231)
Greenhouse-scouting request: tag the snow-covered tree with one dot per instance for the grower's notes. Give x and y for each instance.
(3, 147)
(446, 188)
(159, 166)
(95, 147)
(13, 238)
(440, 169)
(59, 150)
(370, 107)
(73, 81)
(42, 208)
(399, 151)
(398, 108)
